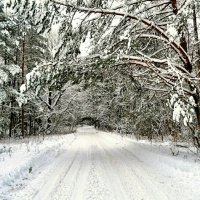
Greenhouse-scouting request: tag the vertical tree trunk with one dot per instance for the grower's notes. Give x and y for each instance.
(30, 123)
(197, 109)
(23, 73)
(11, 125)
(196, 31)
(50, 104)
(12, 114)
(11, 101)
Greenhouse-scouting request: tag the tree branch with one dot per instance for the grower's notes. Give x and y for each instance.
(177, 48)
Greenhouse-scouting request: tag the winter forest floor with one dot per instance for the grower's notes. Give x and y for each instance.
(94, 165)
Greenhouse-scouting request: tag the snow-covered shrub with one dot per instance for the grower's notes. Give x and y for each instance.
(183, 108)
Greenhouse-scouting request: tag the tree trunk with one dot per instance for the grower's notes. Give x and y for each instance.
(11, 118)
(197, 109)
(50, 104)
(12, 114)
(22, 68)
(196, 31)
(30, 123)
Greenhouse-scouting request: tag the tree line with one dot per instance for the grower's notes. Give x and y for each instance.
(130, 66)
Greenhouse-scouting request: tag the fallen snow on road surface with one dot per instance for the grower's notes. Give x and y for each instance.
(94, 165)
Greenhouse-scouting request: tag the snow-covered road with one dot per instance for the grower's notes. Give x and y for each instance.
(103, 166)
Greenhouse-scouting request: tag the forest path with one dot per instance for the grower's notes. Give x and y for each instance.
(100, 166)
(95, 167)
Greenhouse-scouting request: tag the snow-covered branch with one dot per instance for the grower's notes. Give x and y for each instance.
(176, 47)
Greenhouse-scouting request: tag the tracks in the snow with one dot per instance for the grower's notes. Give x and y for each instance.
(132, 173)
(95, 167)
(56, 175)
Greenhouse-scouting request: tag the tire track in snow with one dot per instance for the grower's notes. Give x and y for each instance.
(70, 186)
(172, 178)
(64, 189)
(139, 184)
(98, 185)
(59, 170)
(43, 165)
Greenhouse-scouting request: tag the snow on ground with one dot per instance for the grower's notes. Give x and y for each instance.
(21, 161)
(95, 165)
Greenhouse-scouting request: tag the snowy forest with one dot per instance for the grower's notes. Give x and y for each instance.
(127, 65)
(99, 99)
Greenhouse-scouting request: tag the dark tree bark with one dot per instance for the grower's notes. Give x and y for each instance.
(12, 114)
(174, 6)
(197, 110)
(196, 31)
(50, 104)
(11, 125)
(184, 45)
(23, 76)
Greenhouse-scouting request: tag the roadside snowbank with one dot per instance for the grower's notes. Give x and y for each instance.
(21, 160)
